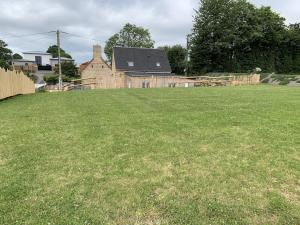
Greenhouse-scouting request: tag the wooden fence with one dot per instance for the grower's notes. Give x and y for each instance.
(14, 83)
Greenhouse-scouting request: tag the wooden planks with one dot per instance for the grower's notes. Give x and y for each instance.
(14, 83)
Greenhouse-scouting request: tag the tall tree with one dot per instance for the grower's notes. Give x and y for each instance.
(130, 36)
(235, 36)
(177, 58)
(54, 51)
(5, 55)
(289, 56)
(17, 56)
(68, 69)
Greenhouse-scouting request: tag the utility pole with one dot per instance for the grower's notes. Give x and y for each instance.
(187, 54)
(59, 61)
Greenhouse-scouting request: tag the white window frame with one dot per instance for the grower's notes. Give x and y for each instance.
(130, 64)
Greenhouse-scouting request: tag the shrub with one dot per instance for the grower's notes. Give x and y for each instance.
(41, 90)
(265, 81)
(52, 79)
(264, 75)
(284, 82)
(31, 76)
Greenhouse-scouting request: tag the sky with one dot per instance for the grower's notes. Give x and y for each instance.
(94, 21)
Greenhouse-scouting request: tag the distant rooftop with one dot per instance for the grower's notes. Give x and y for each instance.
(63, 58)
(141, 60)
(37, 52)
(23, 60)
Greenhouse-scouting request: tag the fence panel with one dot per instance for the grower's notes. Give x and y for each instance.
(14, 83)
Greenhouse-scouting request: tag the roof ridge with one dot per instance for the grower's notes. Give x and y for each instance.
(138, 48)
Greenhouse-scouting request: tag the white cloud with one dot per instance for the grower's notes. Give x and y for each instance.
(168, 21)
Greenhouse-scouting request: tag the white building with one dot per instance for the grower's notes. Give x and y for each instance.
(41, 58)
(54, 61)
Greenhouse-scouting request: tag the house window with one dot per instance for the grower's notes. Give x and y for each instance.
(38, 60)
(158, 64)
(145, 84)
(131, 64)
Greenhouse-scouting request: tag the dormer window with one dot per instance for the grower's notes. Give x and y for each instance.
(158, 64)
(131, 64)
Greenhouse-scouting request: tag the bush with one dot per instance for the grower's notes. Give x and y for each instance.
(264, 75)
(284, 82)
(52, 79)
(31, 76)
(265, 81)
(69, 69)
(41, 90)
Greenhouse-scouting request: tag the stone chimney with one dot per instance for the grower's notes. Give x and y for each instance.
(96, 52)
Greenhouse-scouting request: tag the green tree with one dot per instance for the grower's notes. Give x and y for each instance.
(5, 55)
(130, 36)
(17, 56)
(177, 58)
(54, 51)
(235, 36)
(68, 69)
(289, 56)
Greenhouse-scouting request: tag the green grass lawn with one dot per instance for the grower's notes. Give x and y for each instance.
(157, 156)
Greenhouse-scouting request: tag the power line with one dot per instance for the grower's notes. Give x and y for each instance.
(9, 35)
(27, 41)
(79, 36)
(27, 35)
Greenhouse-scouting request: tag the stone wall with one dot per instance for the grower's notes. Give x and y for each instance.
(251, 79)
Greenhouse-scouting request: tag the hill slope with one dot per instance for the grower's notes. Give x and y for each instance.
(169, 156)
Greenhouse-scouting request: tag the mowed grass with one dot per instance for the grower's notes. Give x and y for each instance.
(158, 156)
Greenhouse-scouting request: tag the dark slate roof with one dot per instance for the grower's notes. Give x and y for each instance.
(148, 74)
(144, 59)
(37, 53)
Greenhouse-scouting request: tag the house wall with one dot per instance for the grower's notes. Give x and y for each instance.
(45, 58)
(151, 81)
(16, 63)
(32, 68)
(98, 73)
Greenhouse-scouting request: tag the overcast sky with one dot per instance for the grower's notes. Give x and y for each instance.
(168, 21)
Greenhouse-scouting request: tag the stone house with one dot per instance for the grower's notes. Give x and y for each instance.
(131, 68)
(142, 68)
